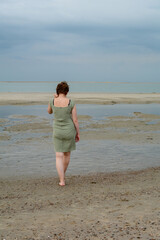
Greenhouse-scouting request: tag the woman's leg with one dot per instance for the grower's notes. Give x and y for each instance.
(60, 167)
(66, 160)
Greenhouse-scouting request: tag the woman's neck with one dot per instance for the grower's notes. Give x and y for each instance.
(61, 95)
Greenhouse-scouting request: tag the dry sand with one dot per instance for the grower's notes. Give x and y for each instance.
(89, 98)
(117, 206)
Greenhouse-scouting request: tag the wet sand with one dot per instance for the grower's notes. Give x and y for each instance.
(138, 128)
(80, 98)
(118, 206)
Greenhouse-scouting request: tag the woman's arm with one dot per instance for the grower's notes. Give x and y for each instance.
(49, 109)
(49, 106)
(75, 121)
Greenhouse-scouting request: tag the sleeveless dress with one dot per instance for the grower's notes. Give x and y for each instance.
(64, 131)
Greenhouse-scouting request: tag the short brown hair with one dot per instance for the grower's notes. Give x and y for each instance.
(63, 88)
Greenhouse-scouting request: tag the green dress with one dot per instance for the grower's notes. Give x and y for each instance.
(64, 131)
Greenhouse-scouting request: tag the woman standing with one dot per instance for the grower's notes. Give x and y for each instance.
(65, 128)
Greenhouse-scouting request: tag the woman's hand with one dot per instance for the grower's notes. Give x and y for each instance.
(77, 137)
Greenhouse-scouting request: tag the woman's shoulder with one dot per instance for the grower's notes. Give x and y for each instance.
(72, 103)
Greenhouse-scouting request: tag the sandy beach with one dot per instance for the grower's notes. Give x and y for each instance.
(100, 206)
(80, 98)
(113, 206)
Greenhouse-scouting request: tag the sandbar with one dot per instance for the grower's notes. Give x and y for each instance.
(80, 98)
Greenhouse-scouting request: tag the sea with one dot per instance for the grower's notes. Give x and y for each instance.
(19, 158)
(81, 86)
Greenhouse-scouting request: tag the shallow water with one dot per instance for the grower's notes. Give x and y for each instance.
(36, 157)
(94, 110)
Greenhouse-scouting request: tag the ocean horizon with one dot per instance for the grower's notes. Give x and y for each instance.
(81, 86)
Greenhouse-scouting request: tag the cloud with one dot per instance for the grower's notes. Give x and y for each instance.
(72, 30)
(78, 11)
(76, 38)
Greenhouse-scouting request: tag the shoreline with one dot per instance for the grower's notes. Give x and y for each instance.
(99, 175)
(80, 98)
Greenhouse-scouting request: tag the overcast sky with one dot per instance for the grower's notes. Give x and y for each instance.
(80, 40)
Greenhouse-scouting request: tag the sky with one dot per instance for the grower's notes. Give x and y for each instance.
(80, 40)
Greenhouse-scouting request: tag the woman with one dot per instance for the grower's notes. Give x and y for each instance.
(65, 128)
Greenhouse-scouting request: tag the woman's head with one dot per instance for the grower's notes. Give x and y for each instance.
(62, 88)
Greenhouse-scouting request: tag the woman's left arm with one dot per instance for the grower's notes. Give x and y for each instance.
(49, 109)
(75, 121)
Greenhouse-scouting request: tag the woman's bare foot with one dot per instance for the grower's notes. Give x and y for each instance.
(62, 184)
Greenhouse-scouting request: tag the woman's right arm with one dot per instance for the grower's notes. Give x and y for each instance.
(49, 109)
(75, 121)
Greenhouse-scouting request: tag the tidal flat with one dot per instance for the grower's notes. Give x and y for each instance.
(112, 185)
(108, 143)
